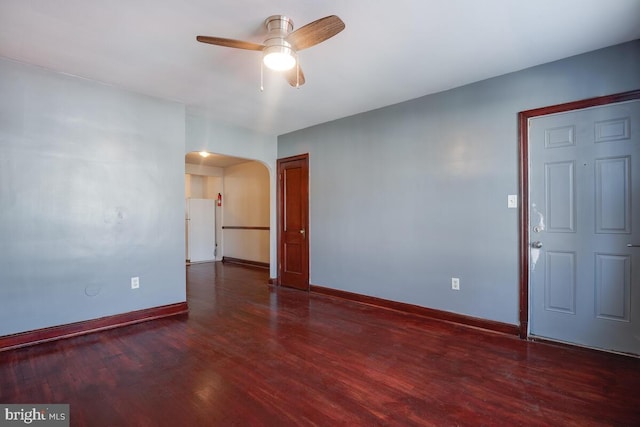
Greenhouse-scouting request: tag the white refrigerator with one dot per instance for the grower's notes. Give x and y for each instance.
(201, 230)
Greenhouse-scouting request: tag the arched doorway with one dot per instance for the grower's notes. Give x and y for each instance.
(241, 216)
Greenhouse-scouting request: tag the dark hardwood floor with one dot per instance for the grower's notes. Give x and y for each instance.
(250, 355)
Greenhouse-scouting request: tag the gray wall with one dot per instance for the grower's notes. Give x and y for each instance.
(91, 194)
(406, 197)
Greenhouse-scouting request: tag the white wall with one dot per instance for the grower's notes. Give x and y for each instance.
(195, 189)
(202, 187)
(246, 203)
(203, 170)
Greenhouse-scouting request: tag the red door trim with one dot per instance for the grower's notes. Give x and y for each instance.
(523, 160)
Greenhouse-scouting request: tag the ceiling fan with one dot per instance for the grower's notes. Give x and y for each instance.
(280, 47)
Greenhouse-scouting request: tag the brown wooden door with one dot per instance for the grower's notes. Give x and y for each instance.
(293, 222)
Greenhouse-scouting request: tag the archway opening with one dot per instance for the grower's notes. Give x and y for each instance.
(236, 191)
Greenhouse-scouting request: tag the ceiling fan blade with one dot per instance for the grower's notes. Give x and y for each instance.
(295, 76)
(315, 32)
(238, 44)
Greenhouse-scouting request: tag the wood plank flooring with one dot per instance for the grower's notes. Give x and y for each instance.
(250, 355)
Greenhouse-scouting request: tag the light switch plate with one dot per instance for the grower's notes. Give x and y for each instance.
(512, 201)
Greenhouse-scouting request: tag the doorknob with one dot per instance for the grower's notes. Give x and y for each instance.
(536, 244)
(629, 245)
(303, 231)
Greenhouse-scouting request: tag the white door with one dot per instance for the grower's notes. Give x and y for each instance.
(201, 236)
(584, 226)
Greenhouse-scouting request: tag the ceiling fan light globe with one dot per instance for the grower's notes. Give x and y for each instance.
(279, 58)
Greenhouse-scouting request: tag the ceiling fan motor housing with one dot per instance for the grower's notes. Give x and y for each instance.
(278, 27)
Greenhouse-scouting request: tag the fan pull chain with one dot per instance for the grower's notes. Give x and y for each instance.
(297, 73)
(261, 76)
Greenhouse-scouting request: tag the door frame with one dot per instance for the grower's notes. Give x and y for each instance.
(280, 218)
(523, 178)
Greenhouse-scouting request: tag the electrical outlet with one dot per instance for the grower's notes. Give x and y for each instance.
(455, 283)
(135, 282)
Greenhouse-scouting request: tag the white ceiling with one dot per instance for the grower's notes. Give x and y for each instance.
(390, 51)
